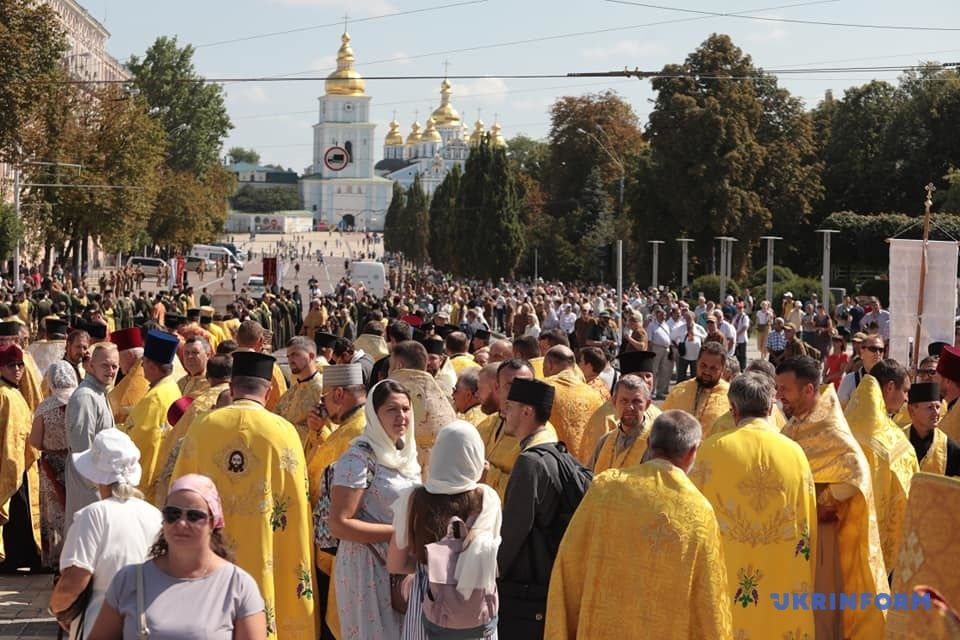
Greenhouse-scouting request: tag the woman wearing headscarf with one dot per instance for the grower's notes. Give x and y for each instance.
(189, 588)
(49, 435)
(367, 480)
(454, 509)
(107, 535)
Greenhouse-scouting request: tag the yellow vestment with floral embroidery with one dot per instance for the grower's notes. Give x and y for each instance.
(278, 387)
(170, 446)
(605, 582)
(762, 492)
(474, 415)
(604, 420)
(256, 460)
(724, 423)
(127, 393)
(16, 458)
(929, 557)
(835, 457)
(299, 400)
(619, 451)
(891, 458)
(193, 385)
(501, 452)
(574, 403)
(461, 362)
(950, 422)
(711, 404)
(935, 459)
(431, 410)
(30, 382)
(147, 427)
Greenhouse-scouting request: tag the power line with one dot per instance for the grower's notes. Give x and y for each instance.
(563, 36)
(850, 25)
(337, 24)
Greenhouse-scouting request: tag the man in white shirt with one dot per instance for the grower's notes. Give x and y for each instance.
(659, 341)
(689, 334)
(741, 324)
(880, 316)
(728, 331)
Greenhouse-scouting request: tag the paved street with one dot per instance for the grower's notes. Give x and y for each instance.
(23, 607)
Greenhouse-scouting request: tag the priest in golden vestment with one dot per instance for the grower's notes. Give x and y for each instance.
(256, 461)
(575, 401)
(147, 423)
(889, 454)
(19, 481)
(500, 449)
(10, 333)
(705, 395)
(948, 367)
(604, 419)
(306, 389)
(625, 445)
(762, 491)
(218, 376)
(849, 557)
(250, 336)
(466, 397)
(131, 389)
(600, 565)
(935, 451)
(196, 352)
(927, 564)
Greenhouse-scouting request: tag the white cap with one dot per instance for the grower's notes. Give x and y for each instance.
(113, 457)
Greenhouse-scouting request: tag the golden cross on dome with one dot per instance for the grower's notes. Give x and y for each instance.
(446, 68)
(929, 201)
(394, 114)
(416, 115)
(346, 18)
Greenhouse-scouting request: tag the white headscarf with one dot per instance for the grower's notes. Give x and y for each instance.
(456, 464)
(61, 379)
(405, 460)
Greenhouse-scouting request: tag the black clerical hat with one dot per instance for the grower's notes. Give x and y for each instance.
(252, 365)
(324, 340)
(923, 392)
(173, 321)
(444, 330)
(532, 392)
(935, 348)
(96, 330)
(193, 314)
(433, 346)
(636, 362)
(56, 328)
(10, 328)
(483, 334)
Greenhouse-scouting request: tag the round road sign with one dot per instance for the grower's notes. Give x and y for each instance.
(336, 158)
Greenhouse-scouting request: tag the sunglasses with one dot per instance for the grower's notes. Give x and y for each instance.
(172, 515)
(874, 349)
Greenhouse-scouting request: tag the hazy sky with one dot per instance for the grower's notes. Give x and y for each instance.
(276, 118)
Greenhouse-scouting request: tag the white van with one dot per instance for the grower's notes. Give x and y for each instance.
(213, 253)
(149, 266)
(371, 274)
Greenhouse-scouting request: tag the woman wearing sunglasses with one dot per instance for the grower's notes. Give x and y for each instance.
(188, 588)
(106, 535)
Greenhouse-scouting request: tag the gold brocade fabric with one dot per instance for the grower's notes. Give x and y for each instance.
(711, 404)
(299, 400)
(725, 423)
(147, 427)
(574, 403)
(193, 386)
(762, 492)
(501, 453)
(604, 420)
(612, 455)
(16, 457)
(256, 461)
(374, 346)
(891, 458)
(474, 415)
(278, 387)
(601, 387)
(600, 565)
(323, 450)
(431, 411)
(170, 445)
(836, 457)
(537, 364)
(461, 362)
(950, 422)
(902, 417)
(30, 382)
(928, 556)
(127, 393)
(935, 459)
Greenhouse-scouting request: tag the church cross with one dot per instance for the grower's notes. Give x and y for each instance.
(929, 201)
(346, 18)
(446, 68)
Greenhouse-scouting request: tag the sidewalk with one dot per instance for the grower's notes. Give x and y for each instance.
(23, 607)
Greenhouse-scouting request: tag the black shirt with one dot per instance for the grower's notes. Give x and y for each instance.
(922, 445)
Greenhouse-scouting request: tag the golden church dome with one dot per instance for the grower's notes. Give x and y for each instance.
(394, 139)
(496, 138)
(430, 134)
(477, 134)
(345, 81)
(445, 114)
(414, 136)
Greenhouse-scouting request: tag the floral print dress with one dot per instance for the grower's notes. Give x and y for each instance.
(362, 580)
(51, 503)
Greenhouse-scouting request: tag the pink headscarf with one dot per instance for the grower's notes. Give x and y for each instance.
(203, 487)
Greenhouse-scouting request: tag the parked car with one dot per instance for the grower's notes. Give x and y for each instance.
(255, 286)
(150, 266)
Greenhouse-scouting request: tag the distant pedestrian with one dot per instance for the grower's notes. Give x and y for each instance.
(233, 277)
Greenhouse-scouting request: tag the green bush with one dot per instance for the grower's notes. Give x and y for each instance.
(758, 279)
(709, 285)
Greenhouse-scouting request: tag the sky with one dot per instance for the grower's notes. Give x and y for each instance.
(501, 37)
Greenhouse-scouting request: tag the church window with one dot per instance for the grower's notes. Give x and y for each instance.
(349, 147)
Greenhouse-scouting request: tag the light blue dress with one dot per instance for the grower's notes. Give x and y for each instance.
(362, 580)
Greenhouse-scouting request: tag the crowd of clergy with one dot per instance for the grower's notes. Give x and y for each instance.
(749, 482)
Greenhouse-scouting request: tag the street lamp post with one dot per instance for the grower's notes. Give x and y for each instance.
(770, 240)
(684, 249)
(726, 263)
(17, 285)
(656, 261)
(826, 265)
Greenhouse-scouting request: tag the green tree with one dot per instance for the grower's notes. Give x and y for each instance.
(414, 225)
(490, 239)
(265, 200)
(528, 156)
(391, 240)
(190, 208)
(192, 112)
(444, 220)
(950, 201)
(11, 231)
(239, 154)
(31, 47)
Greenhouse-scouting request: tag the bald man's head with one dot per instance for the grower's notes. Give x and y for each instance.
(558, 358)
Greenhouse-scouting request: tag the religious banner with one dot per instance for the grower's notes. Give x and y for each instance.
(939, 299)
